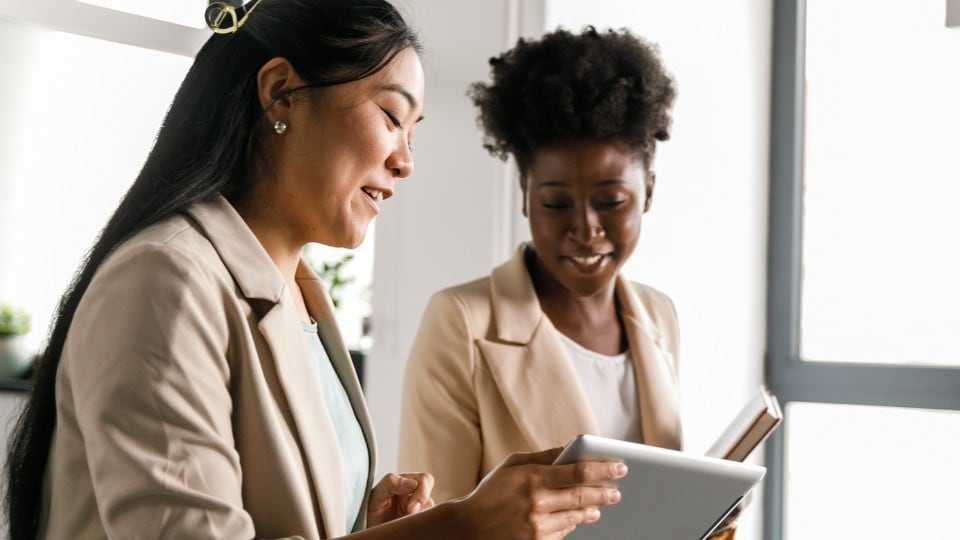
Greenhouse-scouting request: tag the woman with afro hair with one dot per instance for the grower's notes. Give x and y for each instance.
(555, 342)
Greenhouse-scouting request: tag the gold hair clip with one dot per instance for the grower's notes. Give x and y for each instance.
(218, 12)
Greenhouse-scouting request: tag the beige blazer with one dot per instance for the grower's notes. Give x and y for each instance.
(488, 375)
(188, 404)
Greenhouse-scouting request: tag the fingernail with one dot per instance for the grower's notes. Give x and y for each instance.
(593, 514)
(414, 508)
(409, 483)
(614, 495)
(621, 470)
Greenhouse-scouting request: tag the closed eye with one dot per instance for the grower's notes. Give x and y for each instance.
(609, 205)
(393, 119)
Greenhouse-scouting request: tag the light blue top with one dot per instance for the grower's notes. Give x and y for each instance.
(353, 447)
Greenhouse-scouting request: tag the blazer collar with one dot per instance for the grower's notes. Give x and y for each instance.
(543, 394)
(654, 370)
(243, 255)
(526, 359)
(516, 308)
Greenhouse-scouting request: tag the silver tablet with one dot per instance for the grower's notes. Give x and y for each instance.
(667, 495)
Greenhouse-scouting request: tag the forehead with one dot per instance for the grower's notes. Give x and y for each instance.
(403, 76)
(585, 162)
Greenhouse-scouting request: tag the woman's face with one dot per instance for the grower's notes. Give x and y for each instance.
(584, 201)
(344, 150)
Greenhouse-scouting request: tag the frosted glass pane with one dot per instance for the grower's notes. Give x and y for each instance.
(870, 472)
(881, 249)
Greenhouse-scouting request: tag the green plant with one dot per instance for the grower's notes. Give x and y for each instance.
(13, 321)
(332, 274)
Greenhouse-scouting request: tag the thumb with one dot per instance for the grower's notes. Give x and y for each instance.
(402, 485)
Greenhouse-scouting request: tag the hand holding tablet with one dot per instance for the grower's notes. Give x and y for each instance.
(673, 495)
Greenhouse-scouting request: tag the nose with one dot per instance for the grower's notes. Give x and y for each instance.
(400, 161)
(586, 224)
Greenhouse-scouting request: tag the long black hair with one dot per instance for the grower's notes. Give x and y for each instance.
(207, 145)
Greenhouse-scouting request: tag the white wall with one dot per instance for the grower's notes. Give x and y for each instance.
(704, 240)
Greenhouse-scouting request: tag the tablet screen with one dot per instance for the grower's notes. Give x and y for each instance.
(667, 494)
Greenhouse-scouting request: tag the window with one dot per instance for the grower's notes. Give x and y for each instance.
(862, 291)
(82, 119)
(881, 181)
(899, 463)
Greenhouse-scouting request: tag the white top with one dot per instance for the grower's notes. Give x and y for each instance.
(353, 446)
(610, 387)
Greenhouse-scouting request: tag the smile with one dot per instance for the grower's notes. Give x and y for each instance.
(587, 261)
(374, 194)
(588, 264)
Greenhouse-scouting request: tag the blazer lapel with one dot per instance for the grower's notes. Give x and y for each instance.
(653, 368)
(529, 363)
(261, 283)
(281, 328)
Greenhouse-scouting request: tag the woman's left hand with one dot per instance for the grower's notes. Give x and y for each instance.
(398, 495)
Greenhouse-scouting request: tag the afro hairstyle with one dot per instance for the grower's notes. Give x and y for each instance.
(605, 86)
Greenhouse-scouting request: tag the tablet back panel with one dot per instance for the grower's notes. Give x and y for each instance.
(667, 495)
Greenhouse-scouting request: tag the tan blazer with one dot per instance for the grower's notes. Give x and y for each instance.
(488, 375)
(188, 404)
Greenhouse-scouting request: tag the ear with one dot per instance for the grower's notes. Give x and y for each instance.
(651, 181)
(274, 80)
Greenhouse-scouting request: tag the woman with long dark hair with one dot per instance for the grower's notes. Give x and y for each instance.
(194, 384)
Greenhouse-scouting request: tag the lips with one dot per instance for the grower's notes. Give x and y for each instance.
(587, 261)
(375, 194)
(588, 264)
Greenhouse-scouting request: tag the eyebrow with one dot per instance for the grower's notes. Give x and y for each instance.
(403, 92)
(558, 183)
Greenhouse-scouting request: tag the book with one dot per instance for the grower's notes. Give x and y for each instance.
(754, 423)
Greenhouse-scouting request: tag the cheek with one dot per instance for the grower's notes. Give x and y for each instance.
(372, 141)
(625, 226)
(546, 226)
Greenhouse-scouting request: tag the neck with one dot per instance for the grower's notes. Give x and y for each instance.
(281, 245)
(282, 248)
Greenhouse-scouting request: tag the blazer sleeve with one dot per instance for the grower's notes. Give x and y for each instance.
(150, 381)
(440, 430)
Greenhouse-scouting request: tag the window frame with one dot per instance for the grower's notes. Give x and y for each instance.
(98, 22)
(789, 376)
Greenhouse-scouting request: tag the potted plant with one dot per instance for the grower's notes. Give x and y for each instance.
(15, 360)
(334, 275)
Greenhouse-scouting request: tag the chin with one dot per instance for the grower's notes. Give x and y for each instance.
(356, 239)
(591, 287)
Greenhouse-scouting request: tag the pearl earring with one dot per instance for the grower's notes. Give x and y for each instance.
(280, 127)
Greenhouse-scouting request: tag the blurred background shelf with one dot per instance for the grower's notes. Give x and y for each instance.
(14, 385)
